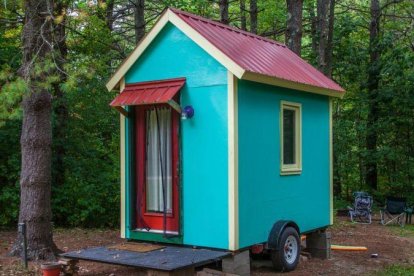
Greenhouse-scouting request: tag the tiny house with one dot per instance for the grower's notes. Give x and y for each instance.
(226, 138)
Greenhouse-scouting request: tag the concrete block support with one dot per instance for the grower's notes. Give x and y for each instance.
(318, 244)
(238, 263)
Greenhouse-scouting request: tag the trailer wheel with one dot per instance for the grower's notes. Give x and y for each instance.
(286, 256)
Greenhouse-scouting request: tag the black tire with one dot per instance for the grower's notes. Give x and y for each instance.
(287, 262)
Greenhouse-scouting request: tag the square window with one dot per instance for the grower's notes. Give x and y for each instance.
(290, 138)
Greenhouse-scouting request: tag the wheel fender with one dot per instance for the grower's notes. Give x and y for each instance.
(276, 232)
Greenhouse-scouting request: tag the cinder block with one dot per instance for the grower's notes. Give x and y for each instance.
(238, 263)
(318, 244)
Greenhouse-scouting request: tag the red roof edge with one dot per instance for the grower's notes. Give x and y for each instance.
(165, 82)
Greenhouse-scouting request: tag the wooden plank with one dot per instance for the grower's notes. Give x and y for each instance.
(180, 272)
(213, 272)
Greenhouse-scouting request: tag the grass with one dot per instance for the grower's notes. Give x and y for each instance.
(406, 231)
(396, 270)
(338, 224)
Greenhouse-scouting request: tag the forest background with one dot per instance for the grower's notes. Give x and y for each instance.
(365, 46)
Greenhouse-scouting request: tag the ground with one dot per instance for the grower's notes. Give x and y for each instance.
(394, 246)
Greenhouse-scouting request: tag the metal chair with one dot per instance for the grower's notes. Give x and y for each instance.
(394, 211)
(361, 211)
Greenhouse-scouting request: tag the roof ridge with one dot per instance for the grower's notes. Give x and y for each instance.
(231, 28)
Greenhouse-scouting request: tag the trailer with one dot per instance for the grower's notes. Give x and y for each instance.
(226, 141)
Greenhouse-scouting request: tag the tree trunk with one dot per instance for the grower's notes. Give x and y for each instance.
(329, 43)
(337, 183)
(243, 23)
(371, 177)
(253, 16)
(293, 34)
(36, 137)
(325, 15)
(139, 19)
(314, 30)
(106, 9)
(109, 15)
(60, 108)
(224, 11)
(323, 23)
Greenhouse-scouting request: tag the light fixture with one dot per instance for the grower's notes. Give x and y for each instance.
(187, 112)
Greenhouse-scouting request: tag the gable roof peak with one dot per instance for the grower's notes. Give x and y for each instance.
(247, 56)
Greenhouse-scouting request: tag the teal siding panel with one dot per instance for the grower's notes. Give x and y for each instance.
(172, 54)
(204, 146)
(203, 138)
(302, 198)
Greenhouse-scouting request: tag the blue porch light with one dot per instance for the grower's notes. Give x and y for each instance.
(187, 112)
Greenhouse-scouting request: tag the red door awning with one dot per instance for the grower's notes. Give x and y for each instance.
(147, 93)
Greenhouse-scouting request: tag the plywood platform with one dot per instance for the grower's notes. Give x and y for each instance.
(169, 258)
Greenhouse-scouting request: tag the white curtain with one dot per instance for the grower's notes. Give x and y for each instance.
(159, 163)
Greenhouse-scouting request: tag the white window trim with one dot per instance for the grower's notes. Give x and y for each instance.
(297, 167)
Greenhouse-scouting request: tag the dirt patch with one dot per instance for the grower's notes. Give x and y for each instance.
(392, 248)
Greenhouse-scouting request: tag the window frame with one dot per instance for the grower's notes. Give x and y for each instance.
(296, 168)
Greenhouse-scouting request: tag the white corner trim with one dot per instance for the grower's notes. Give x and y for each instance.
(330, 162)
(233, 189)
(122, 171)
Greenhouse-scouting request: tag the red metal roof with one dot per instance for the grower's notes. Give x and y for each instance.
(152, 92)
(257, 54)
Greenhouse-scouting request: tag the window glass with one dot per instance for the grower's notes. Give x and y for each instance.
(288, 136)
(290, 139)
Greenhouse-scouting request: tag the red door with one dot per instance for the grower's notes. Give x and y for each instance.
(157, 168)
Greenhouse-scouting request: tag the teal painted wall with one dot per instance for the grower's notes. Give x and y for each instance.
(264, 195)
(203, 138)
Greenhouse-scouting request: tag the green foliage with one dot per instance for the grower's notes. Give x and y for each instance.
(9, 171)
(341, 204)
(395, 154)
(406, 231)
(396, 270)
(89, 193)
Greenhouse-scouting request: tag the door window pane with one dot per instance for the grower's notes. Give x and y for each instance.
(158, 160)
